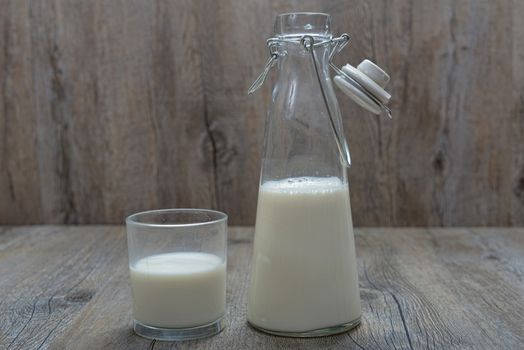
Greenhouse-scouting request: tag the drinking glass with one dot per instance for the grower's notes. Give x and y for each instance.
(177, 263)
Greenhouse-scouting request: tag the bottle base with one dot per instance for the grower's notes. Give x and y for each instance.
(174, 334)
(322, 332)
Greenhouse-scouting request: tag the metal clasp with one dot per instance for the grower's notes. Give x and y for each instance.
(309, 43)
(273, 56)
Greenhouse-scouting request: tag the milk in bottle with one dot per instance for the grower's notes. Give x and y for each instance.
(304, 268)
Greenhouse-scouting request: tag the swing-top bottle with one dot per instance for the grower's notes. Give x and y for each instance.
(304, 271)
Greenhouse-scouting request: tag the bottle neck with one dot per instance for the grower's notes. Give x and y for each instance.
(295, 60)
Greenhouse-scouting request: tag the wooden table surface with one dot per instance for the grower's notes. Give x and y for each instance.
(67, 287)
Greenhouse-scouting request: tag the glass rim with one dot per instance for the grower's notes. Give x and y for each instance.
(132, 219)
(304, 14)
(298, 24)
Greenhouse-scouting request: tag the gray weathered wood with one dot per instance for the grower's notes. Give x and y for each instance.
(107, 108)
(66, 287)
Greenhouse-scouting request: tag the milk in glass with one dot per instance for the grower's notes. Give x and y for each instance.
(178, 290)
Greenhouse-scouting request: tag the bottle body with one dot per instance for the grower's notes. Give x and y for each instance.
(304, 275)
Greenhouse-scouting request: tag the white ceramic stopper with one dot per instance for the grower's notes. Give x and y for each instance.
(372, 78)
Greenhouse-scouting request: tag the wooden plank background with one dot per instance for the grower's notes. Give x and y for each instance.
(110, 107)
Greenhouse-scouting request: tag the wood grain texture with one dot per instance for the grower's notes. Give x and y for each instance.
(67, 287)
(107, 108)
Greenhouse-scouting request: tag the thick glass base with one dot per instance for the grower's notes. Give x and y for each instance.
(174, 334)
(315, 332)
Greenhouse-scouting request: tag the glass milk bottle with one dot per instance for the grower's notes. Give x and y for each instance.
(304, 278)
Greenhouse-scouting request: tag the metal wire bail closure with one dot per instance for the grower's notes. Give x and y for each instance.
(309, 42)
(349, 82)
(273, 56)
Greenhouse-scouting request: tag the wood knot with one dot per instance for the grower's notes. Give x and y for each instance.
(80, 296)
(226, 151)
(222, 150)
(518, 190)
(492, 257)
(438, 162)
